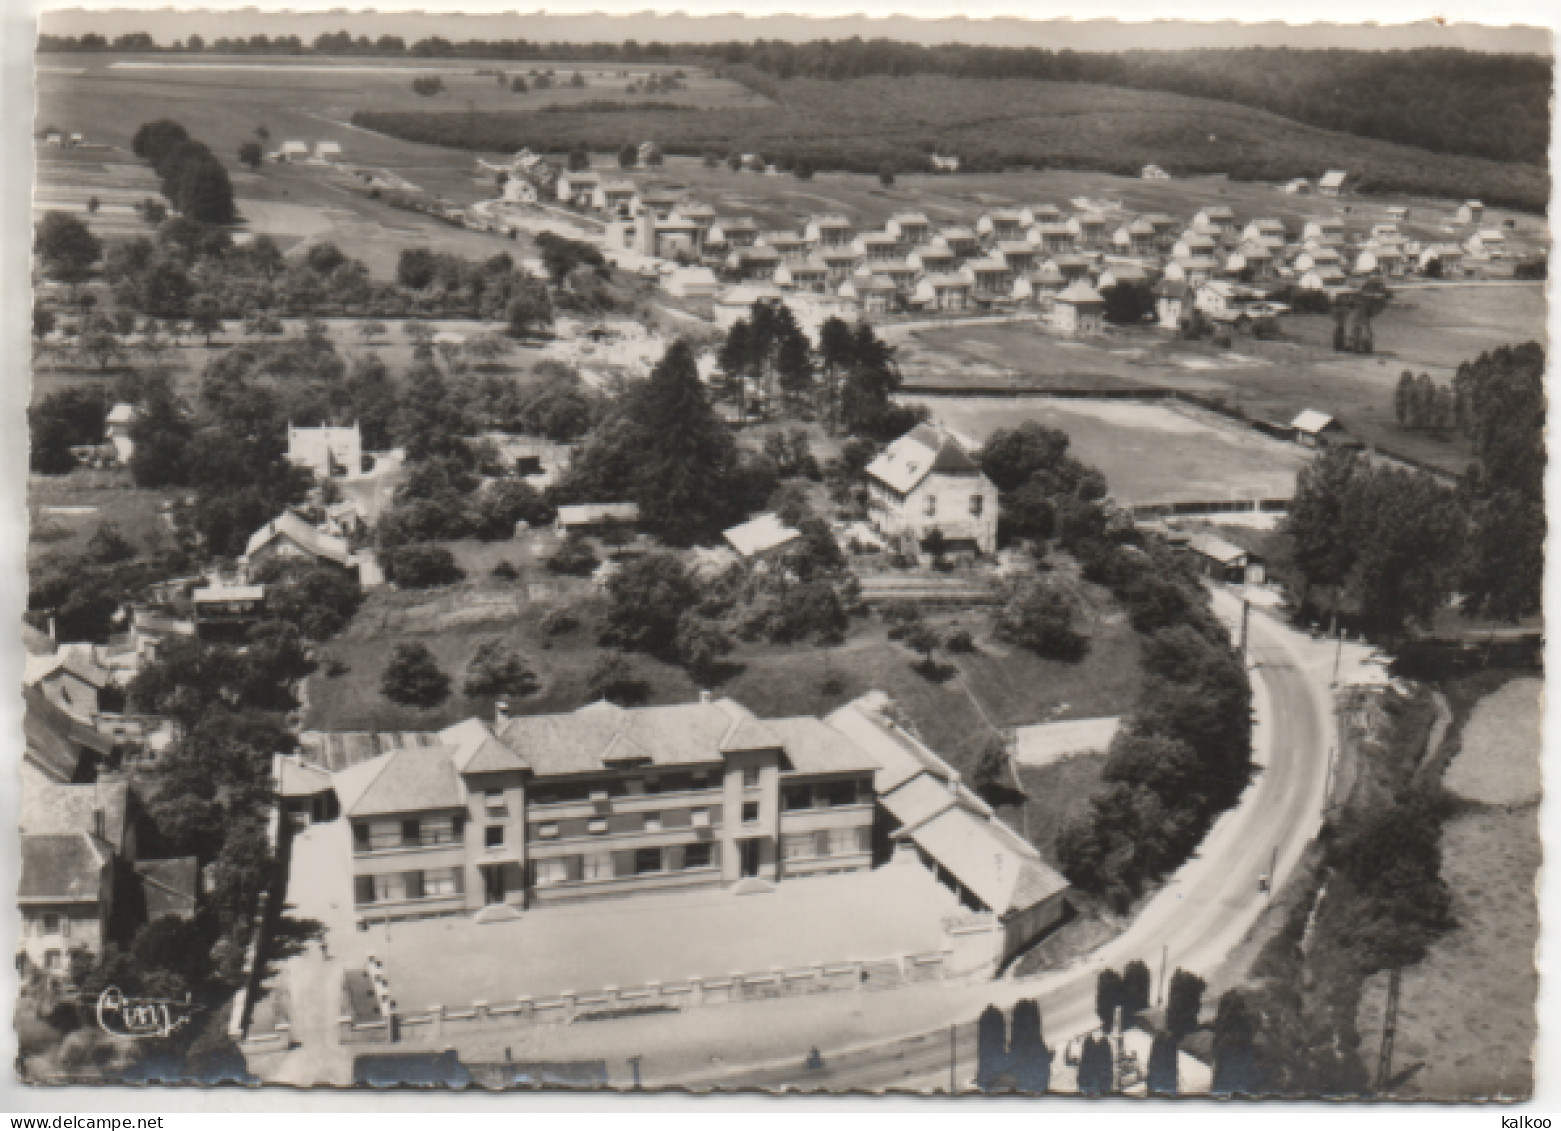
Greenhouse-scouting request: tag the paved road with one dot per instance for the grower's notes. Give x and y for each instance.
(1197, 919)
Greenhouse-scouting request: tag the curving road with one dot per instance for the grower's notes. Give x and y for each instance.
(1195, 920)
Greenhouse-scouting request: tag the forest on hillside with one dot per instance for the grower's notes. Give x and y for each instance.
(1442, 100)
(888, 123)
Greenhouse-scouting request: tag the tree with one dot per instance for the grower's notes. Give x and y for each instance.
(250, 154)
(517, 85)
(499, 671)
(530, 310)
(93, 205)
(1235, 1057)
(836, 351)
(415, 268)
(427, 86)
(628, 156)
(319, 599)
(413, 677)
(152, 211)
(647, 600)
(1039, 618)
(1183, 1003)
(422, 566)
(886, 178)
(991, 1049)
(67, 247)
(206, 317)
(1135, 989)
(1162, 1076)
(574, 558)
(991, 765)
(615, 679)
(99, 342)
(1097, 1067)
(922, 637)
(794, 366)
(1108, 998)
(1403, 398)
(1028, 1055)
(701, 642)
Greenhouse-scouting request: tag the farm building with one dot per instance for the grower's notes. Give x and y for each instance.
(1298, 187)
(1332, 183)
(1220, 560)
(292, 151)
(327, 150)
(926, 481)
(1315, 429)
(1154, 173)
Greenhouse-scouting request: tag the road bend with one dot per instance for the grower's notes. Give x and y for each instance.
(1193, 922)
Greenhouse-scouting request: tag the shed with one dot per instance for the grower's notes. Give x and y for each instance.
(1315, 429)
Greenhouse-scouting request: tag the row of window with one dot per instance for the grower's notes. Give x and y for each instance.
(553, 870)
(649, 784)
(393, 887)
(50, 924)
(930, 506)
(627, 823)
(827, 795)
(826, 842)
(413, 832)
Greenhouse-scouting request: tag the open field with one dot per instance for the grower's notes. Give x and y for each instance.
(1466, 1021)
(1150, 453)
(1429, 330)
(1051, 792)
(64, 512)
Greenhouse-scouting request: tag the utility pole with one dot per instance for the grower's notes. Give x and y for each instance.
(1165, 958)
(1246, 613)
(1389, 1025)
(953, 1083)
(1338, 654)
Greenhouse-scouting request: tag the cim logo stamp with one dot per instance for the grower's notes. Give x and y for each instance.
(141, 1018)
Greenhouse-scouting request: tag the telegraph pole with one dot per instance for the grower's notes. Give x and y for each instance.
(1389, 1025)
(1246, 613)
(1165, 958)
(953, 1083)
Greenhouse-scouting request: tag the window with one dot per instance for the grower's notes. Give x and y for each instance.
(833, 794)
(442, 881)
(699, 818)
(976, 504)
(750, 812)
(653, 822)
(797, 846)
(494, 800)
(385, 834)
(51, 960)
(797, 797)
(436, 830)
(750, 777)
(652, 785)
(700, 780)
(362, 890)
(931, 507)
(389, 888)
(821, 843)
(596, 826)
(413, 884)
(550, 871)
(864, 838)
(647, 860)
(696, 856)
(51, 924)
(596, 866)
(493, 836)
(547, 832)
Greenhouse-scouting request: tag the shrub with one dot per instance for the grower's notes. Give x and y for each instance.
(614, 678)
(413, 677)
(959, 641)
(498, 670)
(575, 558)
(422, 566)
(1038, 618)
(557, 622)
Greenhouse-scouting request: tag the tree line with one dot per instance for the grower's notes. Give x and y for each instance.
(192, 178)
(1388, 547)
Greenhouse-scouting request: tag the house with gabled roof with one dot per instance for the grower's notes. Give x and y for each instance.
(910, 228)
(927, 481)
(292, 537)
(1078, 311)
(1332, 183)
(829, 229)
(1315, 429)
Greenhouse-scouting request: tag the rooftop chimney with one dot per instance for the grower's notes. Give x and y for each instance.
(98, 823)
(704, 695)
(953, 783)
(500, 712)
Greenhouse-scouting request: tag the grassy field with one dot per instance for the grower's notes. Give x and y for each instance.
(1429, 330)
(1148, 452)
(65, 511)
(1466, 1021)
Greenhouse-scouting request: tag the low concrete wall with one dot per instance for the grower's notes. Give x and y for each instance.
(440, 1025)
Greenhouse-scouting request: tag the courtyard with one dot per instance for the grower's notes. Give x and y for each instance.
(892, 911)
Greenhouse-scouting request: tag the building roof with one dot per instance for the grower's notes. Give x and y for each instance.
(169, 887)
(760, 535)
(409, 781)
(69, 660)
(61, 869)
(917, 801)
(57, 809)
(55, 741)
(829, 220)
(1001, 870)
(297, 778)
(1311, 421)
(586, 514)
(921, 452)
(338, 750)
(121, 414)
(1217, 549)
(900, 757)
(584, 741)
(1172, 288)
(814, 747)
(957, 233)
(1333, 178)
(212, 593)
(1080, 293)
(946, 281)
(289, 525)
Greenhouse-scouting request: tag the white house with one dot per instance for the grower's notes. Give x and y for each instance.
(292, 151)
(944, 292)
(1332, 183)
(288, 536)
(691, 282)
(325, 450)
(1079, 311)
(760, 537)
(926, 481)
(327, 150)
(1171, 302)
(1154, 173)
(116, 430)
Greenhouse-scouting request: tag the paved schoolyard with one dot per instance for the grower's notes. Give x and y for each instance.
(898, 909)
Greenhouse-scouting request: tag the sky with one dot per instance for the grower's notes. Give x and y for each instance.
(1079, 35)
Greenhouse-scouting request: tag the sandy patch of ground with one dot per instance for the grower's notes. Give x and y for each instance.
(1054, 742)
